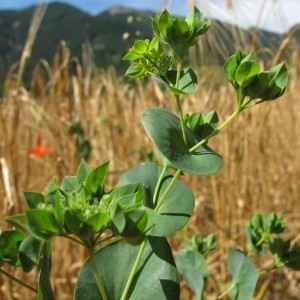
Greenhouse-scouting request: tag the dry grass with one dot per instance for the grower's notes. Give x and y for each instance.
(260, 149)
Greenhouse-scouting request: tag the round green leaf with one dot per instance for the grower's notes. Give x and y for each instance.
(178, 206)
(191, 260)
(164, 129)
(156, 277)
(244, 275)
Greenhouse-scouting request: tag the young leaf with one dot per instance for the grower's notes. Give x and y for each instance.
(198, 25)
(180, 31)
(187, 82)
(98, 221)
(136, 70)
(231, 66)
(70, 184)
(136, 225)
(83, 171)
(118, 217)
(33, 199)
(94, 182)
(246, 72)
(140, 47)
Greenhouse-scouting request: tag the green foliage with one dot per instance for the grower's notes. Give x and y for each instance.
(178, 33)
(242, 71)
(10, 241)
(193, 268)
(284, 254)
(202, 126)
(124, 229)
(203, 247)
(244, 276)
(156, 277)
(163, 218)
(260, 228)
(175, 152)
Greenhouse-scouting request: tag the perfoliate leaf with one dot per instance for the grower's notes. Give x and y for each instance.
(164, 129)
(156, 277)
(244, 276)
(177, 208)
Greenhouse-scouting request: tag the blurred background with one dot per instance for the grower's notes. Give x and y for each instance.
(63, 98)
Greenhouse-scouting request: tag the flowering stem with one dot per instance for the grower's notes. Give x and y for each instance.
(134, 269)
(158, 185)
(168, 189)
(96, 274)
(178, 103)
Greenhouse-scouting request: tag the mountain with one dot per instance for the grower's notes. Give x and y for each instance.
(103, 34)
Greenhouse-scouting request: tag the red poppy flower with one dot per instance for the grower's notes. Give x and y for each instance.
(40, 150)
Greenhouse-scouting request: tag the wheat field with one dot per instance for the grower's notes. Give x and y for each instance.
(260, 149)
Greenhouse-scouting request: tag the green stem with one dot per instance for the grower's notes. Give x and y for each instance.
(265, 271)
(181, 119)
(72, 239)
(18, 281)
(97, 274)
(227, 291)
(216, 131)
(178, 103)
(158, 185)
(263, 238)
(133, 270)
(168, 189)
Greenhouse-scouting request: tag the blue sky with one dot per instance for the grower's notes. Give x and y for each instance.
(277, 15)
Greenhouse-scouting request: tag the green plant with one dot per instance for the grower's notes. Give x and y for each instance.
(124, 229)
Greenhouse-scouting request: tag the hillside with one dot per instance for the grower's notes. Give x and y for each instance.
(64, 22)
(103, 33)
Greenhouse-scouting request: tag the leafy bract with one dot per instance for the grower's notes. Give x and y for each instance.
(33, 199)
(94, 181)
(43, 223)
(29, 253)
(10, 241)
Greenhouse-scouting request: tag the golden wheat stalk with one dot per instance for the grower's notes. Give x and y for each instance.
(33, 29)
